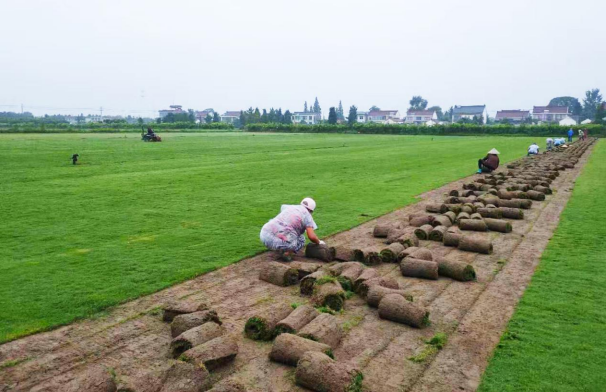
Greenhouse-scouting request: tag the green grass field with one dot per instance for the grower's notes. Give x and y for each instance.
(136, 217)
(556, 340)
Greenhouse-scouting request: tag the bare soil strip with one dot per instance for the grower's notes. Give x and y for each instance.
(133, 341)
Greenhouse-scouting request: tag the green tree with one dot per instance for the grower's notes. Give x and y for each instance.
(340, 114)
(305, 107)
(287, 117)
(208, 119)
(264, 117)
(600, 113)
(438, 111)
(139, 120)
(353, 115)
(169, 118)
(374, 108)
(257, 116)
(590, 103)
(418, 103)
(332, 115)
(448, 114)
(317, 108)
(573, 104)
(216, 117)
(242, 118)
(191, 115)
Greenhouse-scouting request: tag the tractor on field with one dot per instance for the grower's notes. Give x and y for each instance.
(150, 136)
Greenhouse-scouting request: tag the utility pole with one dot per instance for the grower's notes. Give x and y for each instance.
(101, 110)
(21, 108)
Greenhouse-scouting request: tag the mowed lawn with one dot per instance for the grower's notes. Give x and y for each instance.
(556, 340)
(136, 217)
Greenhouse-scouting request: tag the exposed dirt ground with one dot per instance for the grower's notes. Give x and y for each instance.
(134, 342)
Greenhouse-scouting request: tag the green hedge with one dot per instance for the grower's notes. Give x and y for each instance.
(114, 128)
(446, 129)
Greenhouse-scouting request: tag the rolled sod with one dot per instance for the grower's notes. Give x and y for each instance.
(407, 252)
(437, 234)
(351, 273)
(535, 195)
(324, 329)
(453, 192)
(437, 208)
(467, 209)
(519, 195)
(490, 213)
(475, 216)
(307, 283)
(95, 378)
(320, 373)
(475, 244)
(420, 220)
(408, 239)
(279, 274)
(183, 322)
(506, 195)
(473, 225)
(423, 254)
(263, 326)
(463, 215)
(502, 226)
(441, 220)
(514, 203)
(174, 308)
(390, 254)
(367, 274)
(419, 268)
(297, 319)
(543, 189)
(372, 257)
(343, 253)
(320, 252)
(387, 282)
(194, 337)
(452, 200)
(376, 293)
(337, 269)
(511, 213)
(329, 294)
(396, 308)
(185, 377)
(456, 270)
(304, 268)
(451, 215)
(422, 232)
(381, 231)
(212, 354)
(288, 348)
(451, 239)
(456, 208)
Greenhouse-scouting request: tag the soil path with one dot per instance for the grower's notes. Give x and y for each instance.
(134, 342)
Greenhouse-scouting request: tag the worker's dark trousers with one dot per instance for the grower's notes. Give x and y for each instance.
(482, 167)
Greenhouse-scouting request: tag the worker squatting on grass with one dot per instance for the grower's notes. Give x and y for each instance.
(490, 162)
(284, 233)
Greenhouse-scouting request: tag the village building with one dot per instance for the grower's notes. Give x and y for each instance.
(230, 116)
(469, 112)
(309, 118)
(174, 109)
(419, 117)
(513, 116)
(384, 116)
(550, 114)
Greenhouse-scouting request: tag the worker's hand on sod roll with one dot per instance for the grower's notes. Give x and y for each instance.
(322, 242)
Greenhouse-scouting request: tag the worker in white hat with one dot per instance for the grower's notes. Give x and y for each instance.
(490, 162)
(284, 233)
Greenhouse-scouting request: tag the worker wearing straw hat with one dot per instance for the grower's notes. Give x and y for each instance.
(490, 162)
(284, 233)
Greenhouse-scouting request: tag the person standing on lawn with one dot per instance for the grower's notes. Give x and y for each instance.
(284, 233)
(570, 133)
(490, 162)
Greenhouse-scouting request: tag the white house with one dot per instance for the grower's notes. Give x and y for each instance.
(309, 118)
(201, 115)
(175, 109)
(550, 113)
(469, 112)
(362, 117)
(230, 116)
(516, 116)
(587, 121)
(568, 121)
(420, 116)
(381, 116)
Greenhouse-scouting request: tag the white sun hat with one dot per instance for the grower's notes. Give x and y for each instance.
(494, 151)
(309, 203)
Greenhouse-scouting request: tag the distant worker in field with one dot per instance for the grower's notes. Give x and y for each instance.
(570, 133)
(585, 133)
(75, 159)
(549, 143)
(284, 233)
(533, 149)
(490, 162)
(150, 131)
(581, 135)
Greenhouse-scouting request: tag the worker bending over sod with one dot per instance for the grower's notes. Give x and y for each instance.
(490, 162)
(284, 233)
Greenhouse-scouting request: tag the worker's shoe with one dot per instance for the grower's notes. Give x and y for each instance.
(479, 171)
(287, 257)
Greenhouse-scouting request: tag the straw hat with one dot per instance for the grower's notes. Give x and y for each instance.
(494, 151)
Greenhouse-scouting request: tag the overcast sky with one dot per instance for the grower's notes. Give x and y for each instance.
(135, 57)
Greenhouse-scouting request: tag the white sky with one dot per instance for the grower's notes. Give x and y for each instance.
(135, 57)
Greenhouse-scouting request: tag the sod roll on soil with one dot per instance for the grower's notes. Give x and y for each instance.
(452, 239)
(263, 325)
(494, 213)
(288, 349)
(350, 274)
(383, 281)
(212, 354)
(319, 372)
(456, 270)
(194, 337)
(367, 274)
(297, 319)
(368, 256)
(473, 225)
(475, 244)
(376, 293)
(437, 234)
(422, 253)
(423, 232)
(185, 377)
(437, 208)
(408, 239)
(308, 282)
(500, 225)
(381, 231)
(396, 308)
(324, 329)
(304, 268)
(279, 274)
(329, 294)
(343, 253)
(420, 220)
(451, 215)
(174, 308)
(320, 252)
(534, 195)
(511, 213)
(441, 220)
(390, 254)
(418, 268)
(183, 322)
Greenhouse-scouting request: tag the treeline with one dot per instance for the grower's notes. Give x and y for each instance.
(116, 127)
(255, 116)
(445, 130)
